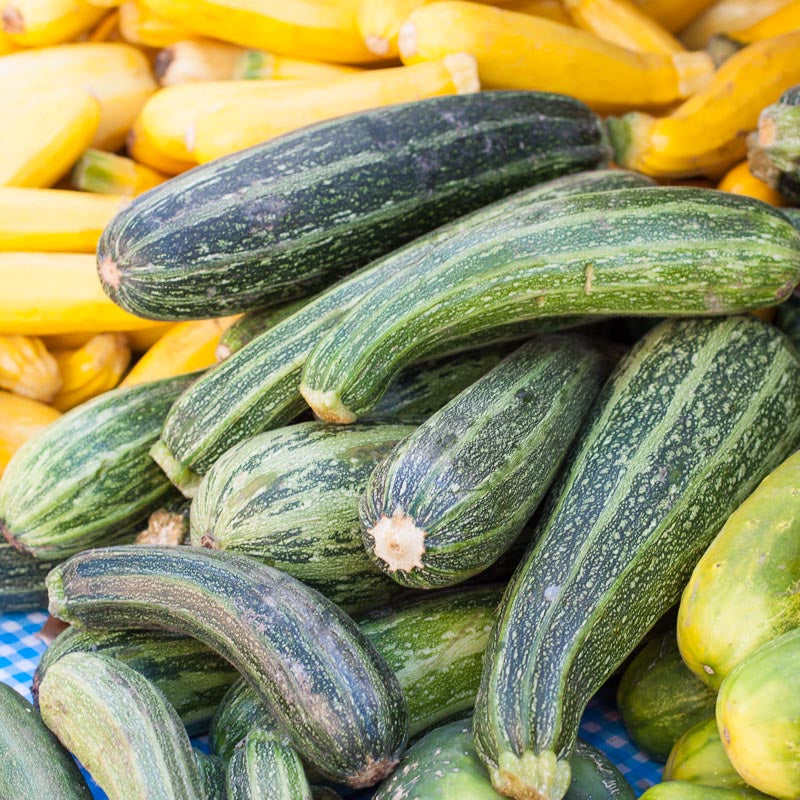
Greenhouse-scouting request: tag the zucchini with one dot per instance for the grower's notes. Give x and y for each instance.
(787, 317)
(253, 324)
(192, 678)
(690, 421)
(287, 217)
(594, 777)
(681, 790)
(21, 580)
(87, 479)
(659, 699)
(34, 764)
(212, 772)
(699, 757)
(341, 706)
(623, 252)
(120, 727)
(240, 711)
(448, 500)
(209, 418)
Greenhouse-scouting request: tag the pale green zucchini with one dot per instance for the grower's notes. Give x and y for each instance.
(22, 580)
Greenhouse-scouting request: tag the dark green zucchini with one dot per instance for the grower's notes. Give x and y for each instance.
(329, 689)
(448, 500)
(689, 423)
(88, 479)
(21, 580)
(240, 711)
(787, 319)
(620, 252)
(287, 217)
(34, 765)
(212, 773)
(594, 777)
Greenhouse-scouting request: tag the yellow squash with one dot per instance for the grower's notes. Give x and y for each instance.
(707, 134)
(520, 51)
(6, 45)
(674, 15)
(741, 181)
(110, 174)
(275, 109)
(54, 219)
(20, 418)
(39, 23)
(106, 29)
(784, 20)
(106, 3)
(67, 341)
(141, 341)
(728, 16)
(139, 25)
(27, 368)
(146, 151)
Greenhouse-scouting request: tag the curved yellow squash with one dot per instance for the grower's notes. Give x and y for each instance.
(784, 20)
(27, 368)
(39, 23)
(740, 180)
(20, 418)
(728, 16)
(139, 25)
(674, 15)
(145, 151)
(109, 174)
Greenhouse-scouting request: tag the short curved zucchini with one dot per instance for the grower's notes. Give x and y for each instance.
(699, 757)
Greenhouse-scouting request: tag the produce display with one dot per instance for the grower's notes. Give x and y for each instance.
(383, 383)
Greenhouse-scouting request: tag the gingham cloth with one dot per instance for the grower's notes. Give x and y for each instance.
(20, 650)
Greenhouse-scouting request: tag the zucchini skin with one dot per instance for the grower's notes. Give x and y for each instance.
(618, 252)
(285, 218)
(455, 493)
(594, 777)
(699, 757)
(690, 421)
(88, 479)
(22, 580)
(342, 707)
(120, 727)
(253, 324)
(34, 764)
(213, 772)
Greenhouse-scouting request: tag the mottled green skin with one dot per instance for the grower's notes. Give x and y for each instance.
(21, 580)
(699, 757)
(265, 768)
(288, 217)
(121, 728)
(659, 699)
(209, 418)
(289, 498)
(33, 764)
(88, 479)
(472, 475)
(192, 678)
(681, 790)
(341, 705)
(212, 772)
(689, 423)
(778, 163)
(594, 777)
(787, 317)
(650, 251)
(253, 324)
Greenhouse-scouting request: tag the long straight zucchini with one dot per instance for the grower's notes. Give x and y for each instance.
(329, 689)
(253, 324)
(689, 423)
(22, 580)
(455, 493)
(654, 251)
(209, 418)
(285, 218)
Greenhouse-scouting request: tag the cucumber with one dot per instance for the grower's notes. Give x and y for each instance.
(287, 217)
(34, 764)
(659, 698)
(192, 678)
(448, 500)
(329, 689)
(209, 418)
(681, 790)
(120, 727)
(88, 479)
(21, 580)
(212, 772)
(688, 424)
(699, 757)
(619, 252)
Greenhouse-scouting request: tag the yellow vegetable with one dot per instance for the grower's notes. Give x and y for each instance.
(144, 150)
(47, 293)
(275, 109)
(118, 75)
(785, 20)
(674, 15)
(91, 370)
(106, 3)
(108, 173)
(741, 181)
(43, 133)
(707, 134)
(142, 340)
(519, 51)
(728, 16)
(20, 418)
(6, 45)
(106, 28)
(27, 369)
(67, 341)
(39, 23)
(54, 219)
(139, 25)
(187, 347)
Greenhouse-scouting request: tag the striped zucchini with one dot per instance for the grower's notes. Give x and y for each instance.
(34, 763)
(628, 251)
(787, 317)
(240, 711)
(120, 727)
(209, 418)
(330, 690)
(87, 479)
(192, 678)
(699, 757)
(21, 580)
(289, 216)
(253, 324)
(213, 773)
(690, 421)
(455, 493)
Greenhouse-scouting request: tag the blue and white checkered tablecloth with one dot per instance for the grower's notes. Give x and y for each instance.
(20, 650)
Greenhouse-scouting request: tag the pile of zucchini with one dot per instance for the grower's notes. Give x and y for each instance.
(503, 493)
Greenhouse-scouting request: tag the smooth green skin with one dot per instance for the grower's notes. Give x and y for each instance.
(619, 252)
(469, 478)
(121, 728)
(33, 764)
(699, 757)
(758, 716)
(21, 580)
(687, 425)
(743, 591)
(660, 699)
(329, 689)
(594, 777)
(212, 772)
(681, 790)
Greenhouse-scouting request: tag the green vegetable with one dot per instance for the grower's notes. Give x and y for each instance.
(699, 757)
(21, 580)
(253, 324)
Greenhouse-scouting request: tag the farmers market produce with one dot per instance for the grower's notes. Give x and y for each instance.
(108, 173)
(454, 494)
(681, 790)
(253, 324)
(121, 728)
(139, 25)
(727, 16)
(20, 418)
(156, 262)
(782, 20)
(35, 24)
(673, 14)
(631, 251)
(27, 369)
(740, 180)
(699, 757)
(212, 773)
(343, 708)
(22, 580)
(688, 424)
